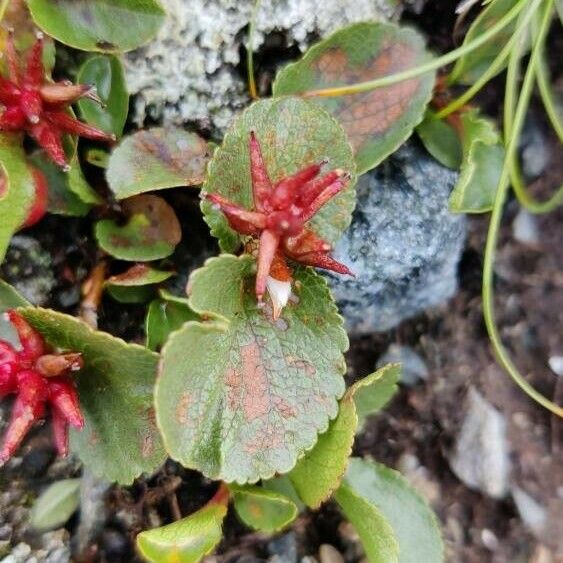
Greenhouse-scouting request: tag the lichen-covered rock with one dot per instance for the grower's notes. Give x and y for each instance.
(403, 245)
(189, 72)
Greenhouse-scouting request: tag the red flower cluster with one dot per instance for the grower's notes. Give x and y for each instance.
(39, 107)
(280, 215)
(37, 378)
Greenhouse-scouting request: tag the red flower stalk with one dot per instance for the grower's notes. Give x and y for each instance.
(38, 107)
(280, 216)
(37, 378)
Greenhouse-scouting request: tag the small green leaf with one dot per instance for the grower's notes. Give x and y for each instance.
(78, 185)
(377, 536)
(262, 509)
(187, 540)
(10, 298)
(134, 285)
(17, 188)
(62, 201)
(441, 141)
(483, 158)
(115, 388)
(317, 475)
(378, 121)
(156, 159)
(98, 25)
(372, 393)
(414, 525)
(97, 157)
(164, 316)
(293, 133)
(56, 505)
(242, 396)
(470, 67)
(151, 232)
(106, 73)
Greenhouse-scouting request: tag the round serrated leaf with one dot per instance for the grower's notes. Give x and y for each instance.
(317, 475)
(262, 509)
(152, 231)
(17, 188)
(292, 133)
(184, 541)
(377, 121)
(115, 388)
(98, 25)
(56, 505)
(413, 523)
(106, 74)
(243, 396)
(155, 159)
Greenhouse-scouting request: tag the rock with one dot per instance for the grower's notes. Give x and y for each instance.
(189, 72)
(28, 267)
(531, 512)
(115, 545)
(525, 228)
(329, 554)
(533, 147)
(283, 549)
(556, 364)
(37, 460)
(413, 367)
(481, 455)
(403, 245)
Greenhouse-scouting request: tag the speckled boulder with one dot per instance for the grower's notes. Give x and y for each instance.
(403, 244)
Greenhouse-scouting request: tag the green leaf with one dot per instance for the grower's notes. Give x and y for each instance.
(120, 439)
(377, 536)
(372, 393)
(470, 67)
(97, 157)
(293, 133)
(414, 525)
(78, 185)
(262, 509)
(106, 73)
(441, 141)
(134, 285)
(241, 397)
(184, 541)
(98, 25)
(483, 158)
(17, 188)
(151, 232)
(164, 316)
(56, 505)
(156, 159)
(62, 201)
(10, 298)
(318, 474)
(379, 121)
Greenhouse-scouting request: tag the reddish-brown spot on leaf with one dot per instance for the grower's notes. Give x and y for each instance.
(147, 446)
(370, 113)
(256, 402)
(182, 408)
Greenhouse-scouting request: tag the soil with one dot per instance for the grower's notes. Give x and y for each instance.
(422, 420)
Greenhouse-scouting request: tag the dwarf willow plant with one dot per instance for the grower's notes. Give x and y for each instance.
(242, 377)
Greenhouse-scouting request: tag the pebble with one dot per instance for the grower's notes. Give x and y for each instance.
(329, 554)
(413, 367)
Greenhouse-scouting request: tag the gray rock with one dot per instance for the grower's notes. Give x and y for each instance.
(283, 549)
(534, 148)
(413, 367)
(403, 244)
(532, 513)
(481, 458)
(525, 228)
(29, 268)
(189, 72)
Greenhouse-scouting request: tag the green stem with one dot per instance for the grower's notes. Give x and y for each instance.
(547, 96)
(494, 67)
(250, 52)
(494, 226)
(429, 66)
(518, 184)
